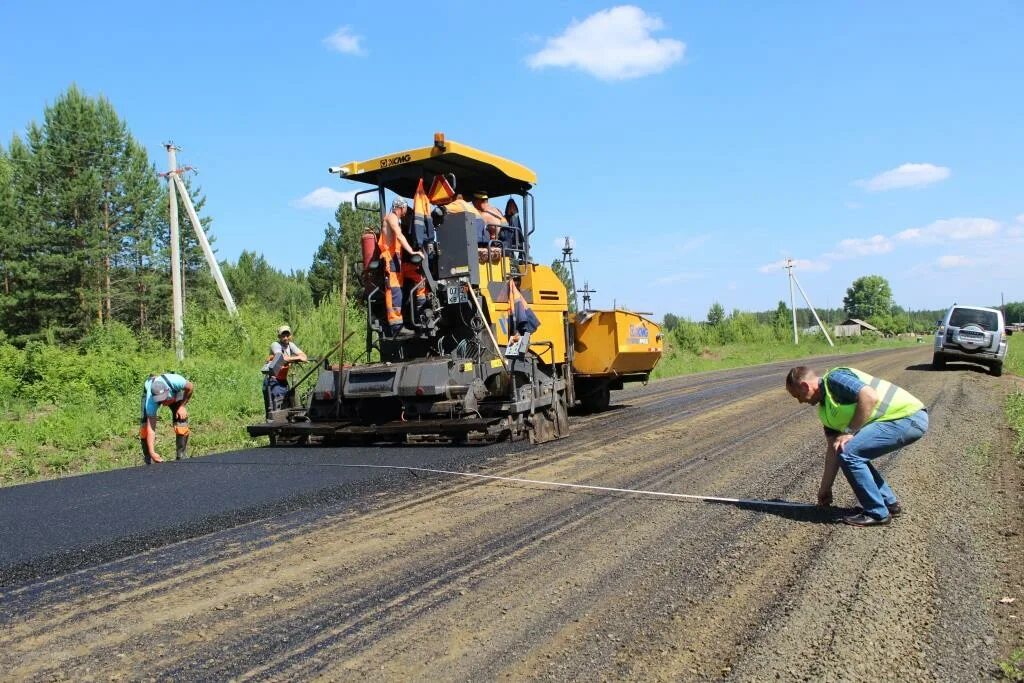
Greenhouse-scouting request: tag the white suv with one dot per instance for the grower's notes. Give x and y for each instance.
(971, 333)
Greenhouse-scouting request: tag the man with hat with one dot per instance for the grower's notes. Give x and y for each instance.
(173, 391)
(283, 353)
(490, 214)
(494, 220)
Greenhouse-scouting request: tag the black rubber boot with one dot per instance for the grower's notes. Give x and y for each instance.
(180, 446)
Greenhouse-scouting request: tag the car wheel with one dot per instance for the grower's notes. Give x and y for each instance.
(996, 369)
(938, 361)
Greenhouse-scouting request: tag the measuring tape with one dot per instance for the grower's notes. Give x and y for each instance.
(556, 484)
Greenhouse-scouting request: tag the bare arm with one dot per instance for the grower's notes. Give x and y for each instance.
(828, 476)
(188, 393)
(151, 435)
(299, 355)
(391, 223)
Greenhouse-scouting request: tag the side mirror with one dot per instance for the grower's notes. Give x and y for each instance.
(416, 259)
(374, 264)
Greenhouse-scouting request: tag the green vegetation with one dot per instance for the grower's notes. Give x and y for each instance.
(85, 300)
(740, 341)
(1012, 668)
(1014, 364)
(66, 410)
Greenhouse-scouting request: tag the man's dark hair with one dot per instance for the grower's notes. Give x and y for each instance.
(797, 375)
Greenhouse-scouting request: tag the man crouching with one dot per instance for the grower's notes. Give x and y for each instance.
(864, 417)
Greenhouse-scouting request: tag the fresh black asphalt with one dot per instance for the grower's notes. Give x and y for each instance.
(52, 527)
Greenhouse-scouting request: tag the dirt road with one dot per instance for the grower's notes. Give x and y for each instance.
(453, 579)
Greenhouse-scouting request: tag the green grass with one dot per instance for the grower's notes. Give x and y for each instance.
(1014, 364)
(1012, 668)
(678, 361)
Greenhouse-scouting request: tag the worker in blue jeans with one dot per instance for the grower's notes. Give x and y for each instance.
(864, 417)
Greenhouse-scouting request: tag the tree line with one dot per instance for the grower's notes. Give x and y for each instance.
(869, 298)
(84, 216)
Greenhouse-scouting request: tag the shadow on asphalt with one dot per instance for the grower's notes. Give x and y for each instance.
(579, 410)
(952, 366)
(786, 510)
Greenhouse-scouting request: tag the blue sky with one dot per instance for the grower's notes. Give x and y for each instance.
(688, 148)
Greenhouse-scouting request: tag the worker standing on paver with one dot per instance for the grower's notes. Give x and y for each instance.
(392, 244)
(173, 391)
(864, 418)
(283, 353)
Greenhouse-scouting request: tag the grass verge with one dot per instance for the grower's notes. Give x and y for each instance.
(677, 361)
(1014, 364)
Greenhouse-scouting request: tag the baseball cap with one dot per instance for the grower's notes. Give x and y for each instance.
(159, 390)
(399, 203)
(480, 195)
(283, 329)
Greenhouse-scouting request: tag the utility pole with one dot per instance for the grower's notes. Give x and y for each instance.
(567, 258)
(211, 260)
(792, 276)
(792, 300)
(177, 334)
(586, 292)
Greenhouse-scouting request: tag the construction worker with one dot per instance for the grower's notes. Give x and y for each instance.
(173, 391)
(864, 417)
(494, 221)
(283, 353)
(392, 244)
(491, 216)
(418, 229)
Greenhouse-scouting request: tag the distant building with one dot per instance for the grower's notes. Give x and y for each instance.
(854, 327)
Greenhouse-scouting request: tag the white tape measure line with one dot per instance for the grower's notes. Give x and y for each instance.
(519, 480)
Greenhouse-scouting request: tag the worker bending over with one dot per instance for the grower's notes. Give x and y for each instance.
(864, 417)
(173, 391)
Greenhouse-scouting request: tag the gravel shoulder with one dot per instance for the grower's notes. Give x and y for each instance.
(453, 579)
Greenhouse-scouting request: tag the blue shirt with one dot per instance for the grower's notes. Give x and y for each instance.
(177, 384)
(844, 386)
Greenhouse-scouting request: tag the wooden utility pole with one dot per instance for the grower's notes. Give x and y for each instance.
(177, 334)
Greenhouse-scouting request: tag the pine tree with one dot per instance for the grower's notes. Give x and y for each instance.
(343, 238)
(80, 193)
(562, 271)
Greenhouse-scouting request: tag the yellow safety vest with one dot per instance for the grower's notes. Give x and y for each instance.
(894, 403)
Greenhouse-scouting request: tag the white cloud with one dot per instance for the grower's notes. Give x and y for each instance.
(906, 175)
(952, 262)
(952, 229)
(854, 247)
(1020, 218)
(346, 42)
(613, 44)
(1015, 232)
(323, 198)
(798, 264)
